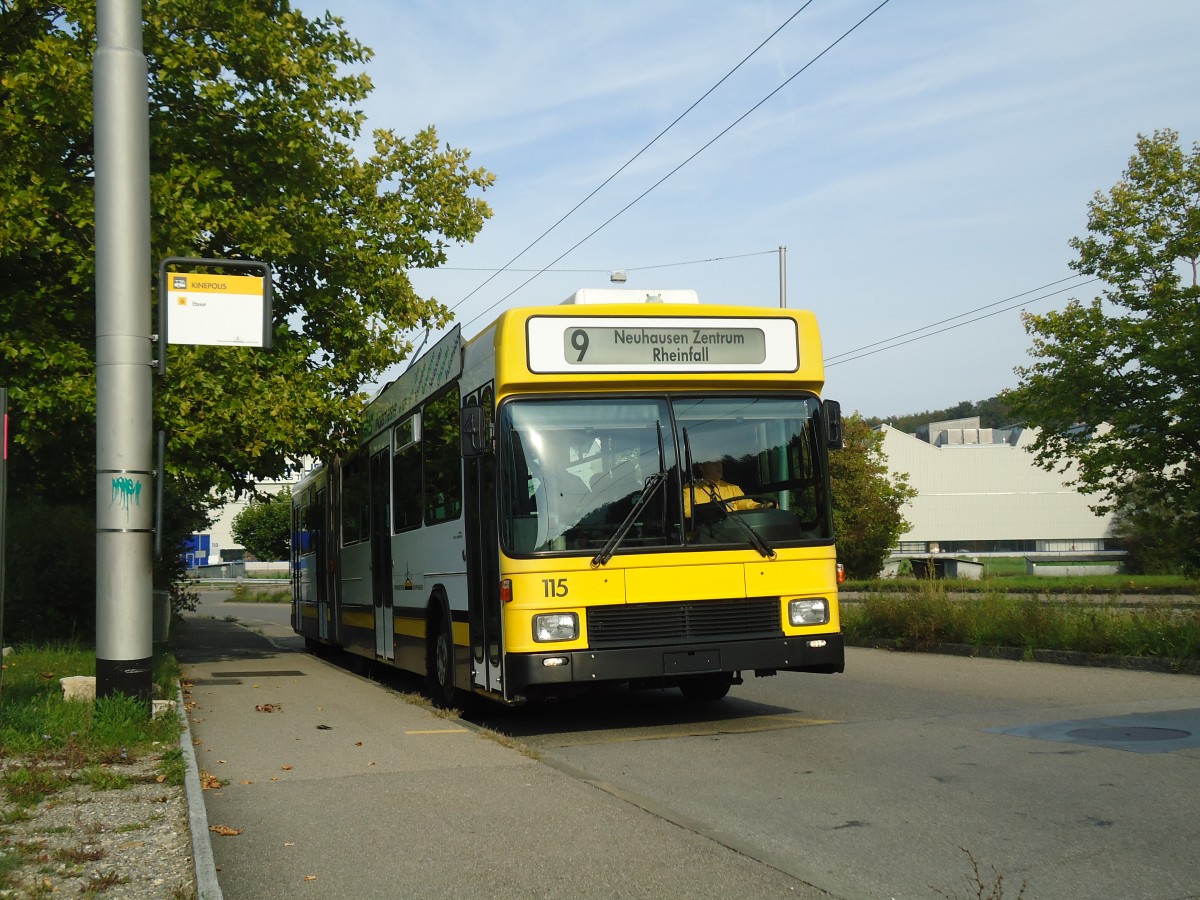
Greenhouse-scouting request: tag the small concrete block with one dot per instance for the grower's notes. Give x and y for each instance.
(162, 708)
(78, 687)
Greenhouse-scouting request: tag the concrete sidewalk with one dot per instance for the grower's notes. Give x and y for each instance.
(339, 787)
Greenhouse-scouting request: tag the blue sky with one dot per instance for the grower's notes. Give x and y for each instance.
(935, 162)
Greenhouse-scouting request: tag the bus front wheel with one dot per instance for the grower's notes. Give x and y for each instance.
(441, 671)
(707, 687)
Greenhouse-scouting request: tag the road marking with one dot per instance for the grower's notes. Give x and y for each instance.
(436, 731)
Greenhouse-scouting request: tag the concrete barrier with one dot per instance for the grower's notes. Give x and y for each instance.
(1047, 569)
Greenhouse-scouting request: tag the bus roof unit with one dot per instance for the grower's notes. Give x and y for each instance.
(588, 296)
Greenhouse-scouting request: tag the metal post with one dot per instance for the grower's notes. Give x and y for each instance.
(3, 507)
(782, 277)
(124, 477)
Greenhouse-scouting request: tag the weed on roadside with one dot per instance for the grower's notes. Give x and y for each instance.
(977, 887)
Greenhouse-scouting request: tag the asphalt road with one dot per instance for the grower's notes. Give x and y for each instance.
(907, 776)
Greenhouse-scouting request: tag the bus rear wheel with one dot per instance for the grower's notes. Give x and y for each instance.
(706, 688)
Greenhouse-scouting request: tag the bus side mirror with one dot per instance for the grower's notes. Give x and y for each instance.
(471, 438)
(833, 424)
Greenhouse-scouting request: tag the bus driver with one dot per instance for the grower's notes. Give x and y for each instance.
(711, 487)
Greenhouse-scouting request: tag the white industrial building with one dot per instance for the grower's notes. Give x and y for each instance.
(218, 545)
(979, 493)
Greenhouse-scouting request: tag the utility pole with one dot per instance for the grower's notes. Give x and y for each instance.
(3, 508)
(124, 409)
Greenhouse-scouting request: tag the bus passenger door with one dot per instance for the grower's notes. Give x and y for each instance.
(322, 576)
(483, 557)
(381, 555)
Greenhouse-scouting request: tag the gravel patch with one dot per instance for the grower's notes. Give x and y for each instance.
(130, 842)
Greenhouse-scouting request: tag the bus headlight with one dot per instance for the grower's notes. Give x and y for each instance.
(809, 611)
(555, 627)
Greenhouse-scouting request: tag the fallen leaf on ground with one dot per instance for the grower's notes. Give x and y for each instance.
(209, 782)
(310, 877)
(225, 830)
(268, 707)
(286, 768)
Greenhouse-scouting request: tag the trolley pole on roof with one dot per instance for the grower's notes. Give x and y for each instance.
(124, 476)
(782, 277)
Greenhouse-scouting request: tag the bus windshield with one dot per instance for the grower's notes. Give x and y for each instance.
(735, 471)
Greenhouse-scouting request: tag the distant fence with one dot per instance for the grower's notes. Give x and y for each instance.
(242, 569)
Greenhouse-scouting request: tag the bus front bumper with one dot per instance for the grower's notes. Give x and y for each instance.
(808, 653)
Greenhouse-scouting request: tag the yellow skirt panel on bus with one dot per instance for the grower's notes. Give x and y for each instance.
(409, 627)
(700, 582)
(359, 619)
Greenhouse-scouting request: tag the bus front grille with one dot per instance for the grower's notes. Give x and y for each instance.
(640, 624)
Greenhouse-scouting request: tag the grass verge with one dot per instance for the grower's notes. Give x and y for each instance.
(930, 616)
(38, 725)
(53, 751)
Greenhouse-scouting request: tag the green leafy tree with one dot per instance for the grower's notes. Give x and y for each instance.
(264, 527)
(1155, 536)
(257, 151)
(867, 500)
(1115, 386)
(255, 131)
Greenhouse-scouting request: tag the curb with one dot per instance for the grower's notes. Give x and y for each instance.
(207, 887)
(1058, 657)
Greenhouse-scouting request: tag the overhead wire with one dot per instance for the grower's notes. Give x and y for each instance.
(631, 159)
(712, 141)
(952, 318)
(894, 342)
(689, 262)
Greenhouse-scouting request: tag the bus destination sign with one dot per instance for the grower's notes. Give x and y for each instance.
(661, 344)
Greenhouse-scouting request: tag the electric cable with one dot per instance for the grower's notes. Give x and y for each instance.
(629, 161)
(838, 362)
(712, 141)
(952, 318)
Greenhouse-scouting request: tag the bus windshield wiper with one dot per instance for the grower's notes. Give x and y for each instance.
(653, 483)
(756, 540)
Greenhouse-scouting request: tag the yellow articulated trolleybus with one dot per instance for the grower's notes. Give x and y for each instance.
(625, 487)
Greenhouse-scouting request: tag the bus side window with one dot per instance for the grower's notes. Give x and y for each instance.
(356, 501)
(406, 475)
(443, 462)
